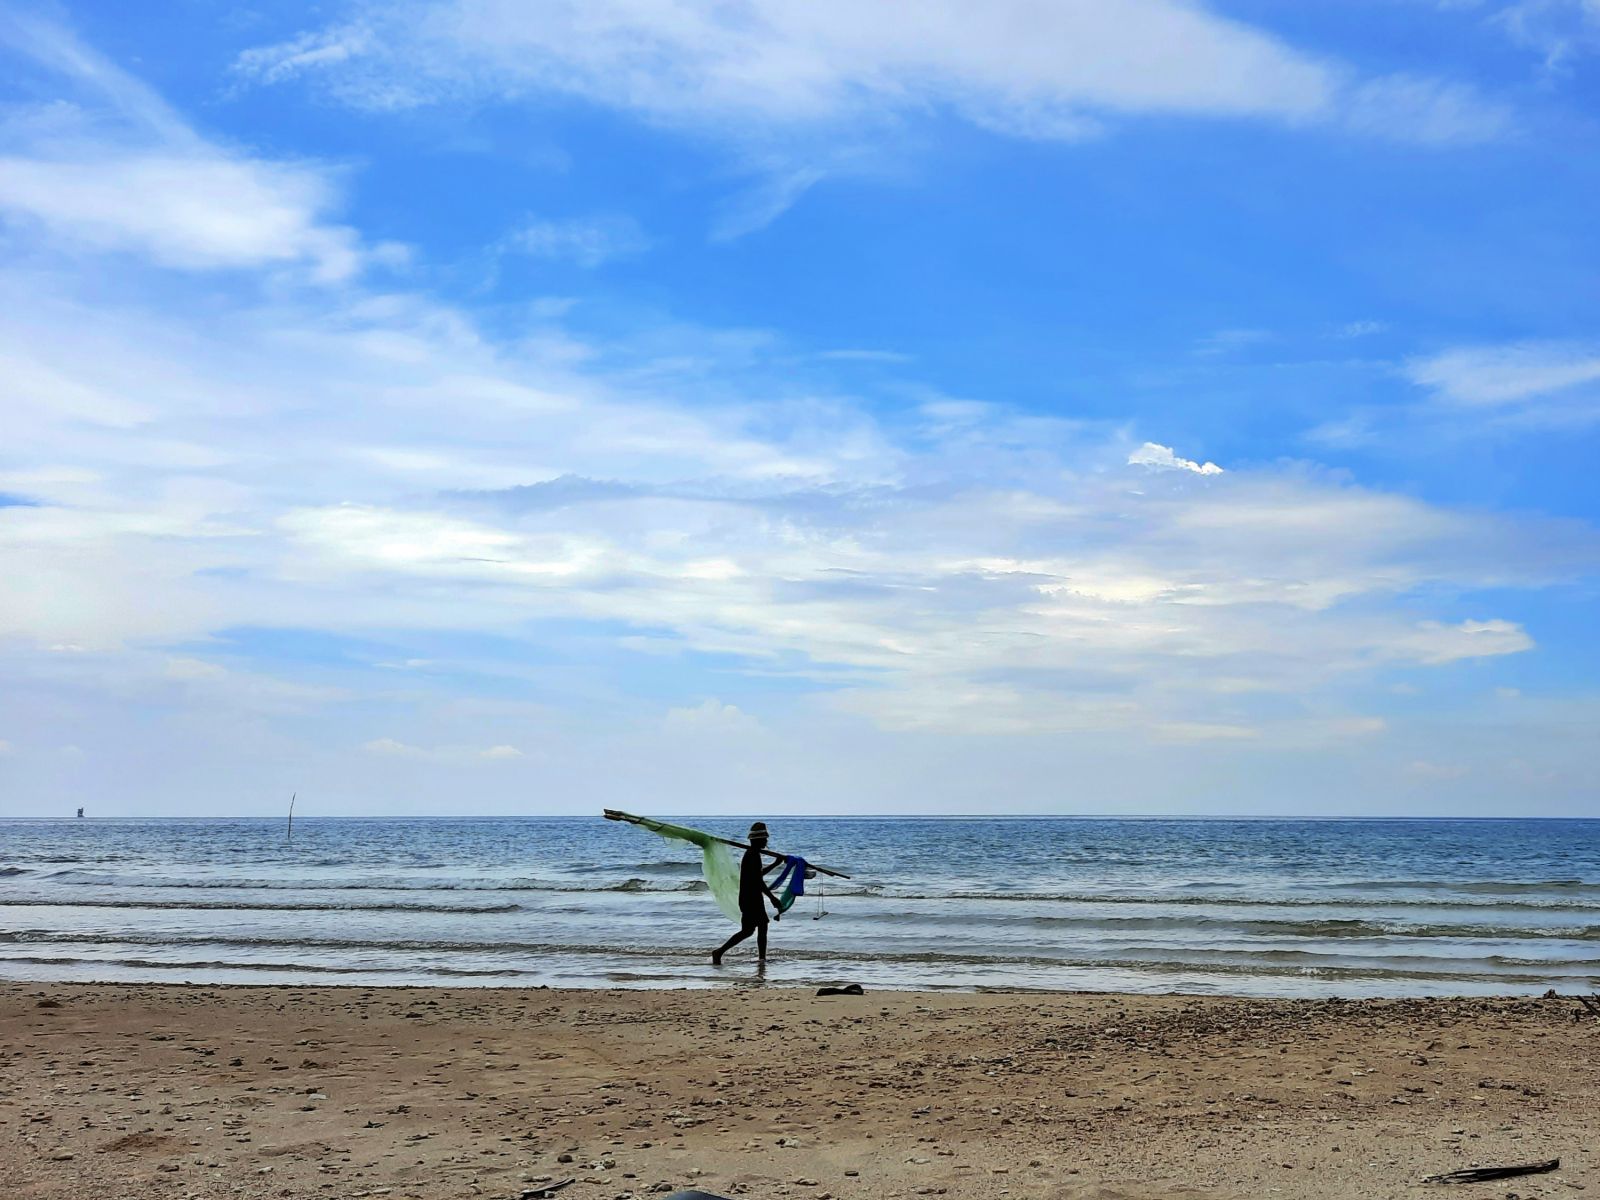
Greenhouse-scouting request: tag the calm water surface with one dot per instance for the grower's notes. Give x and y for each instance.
(1246, 907)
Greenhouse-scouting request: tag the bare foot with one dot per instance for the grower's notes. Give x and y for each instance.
(716, 958)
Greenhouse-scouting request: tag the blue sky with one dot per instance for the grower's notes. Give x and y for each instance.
(476, 406)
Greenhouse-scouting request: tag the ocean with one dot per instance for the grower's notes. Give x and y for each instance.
(1241, 907)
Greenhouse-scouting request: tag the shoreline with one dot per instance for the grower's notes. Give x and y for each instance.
(747, 982)
(601, 968)
(265, 1090)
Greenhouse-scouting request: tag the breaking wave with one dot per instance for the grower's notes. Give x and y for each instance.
(78, 878)
(250, 906)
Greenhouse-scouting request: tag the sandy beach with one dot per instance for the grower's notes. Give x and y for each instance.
(173, 1091)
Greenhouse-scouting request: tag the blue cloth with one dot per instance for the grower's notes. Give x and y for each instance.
(791, 881)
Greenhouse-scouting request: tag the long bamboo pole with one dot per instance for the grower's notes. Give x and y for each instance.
(612, 814)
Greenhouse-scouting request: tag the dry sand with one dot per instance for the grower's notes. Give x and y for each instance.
(113, 1091)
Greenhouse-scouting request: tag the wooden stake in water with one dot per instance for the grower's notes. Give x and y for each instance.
(291, 818)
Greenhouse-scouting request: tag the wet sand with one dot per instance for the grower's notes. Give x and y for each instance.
(132, 1091)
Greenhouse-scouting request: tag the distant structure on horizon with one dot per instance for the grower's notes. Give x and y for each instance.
(80, 814)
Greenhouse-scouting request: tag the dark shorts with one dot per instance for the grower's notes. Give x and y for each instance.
(753, 916)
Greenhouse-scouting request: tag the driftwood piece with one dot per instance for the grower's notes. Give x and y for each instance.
(1480, 1174)
(1592, 1003)
(549, 1189)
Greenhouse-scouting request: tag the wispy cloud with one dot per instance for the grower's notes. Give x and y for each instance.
(710, 716)
(1559, 30)
(1553, 377)
(803, 93)
(1026, 67)
(120, 171)
(773, 193)
(586, 241)
(913, 589)
(937, 595)
(1360, 329)
(442, 755)
(190, 212)
(1224, 341)
(1434, 772)
(1430, 112)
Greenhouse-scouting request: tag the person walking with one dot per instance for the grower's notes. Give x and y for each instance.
(754, 893)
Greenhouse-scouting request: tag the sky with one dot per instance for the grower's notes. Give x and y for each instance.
(1042, 406)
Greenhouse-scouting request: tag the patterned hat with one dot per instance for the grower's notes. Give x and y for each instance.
(759, 829)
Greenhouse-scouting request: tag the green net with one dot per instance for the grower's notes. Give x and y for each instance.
(718, 866)
(721, 872)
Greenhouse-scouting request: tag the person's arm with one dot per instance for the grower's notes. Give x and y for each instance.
(777, 905)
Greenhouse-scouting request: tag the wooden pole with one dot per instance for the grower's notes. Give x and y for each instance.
(612, 814)
(291, 818)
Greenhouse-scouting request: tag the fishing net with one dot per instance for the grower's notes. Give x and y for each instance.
(720, 868)
(721, 872)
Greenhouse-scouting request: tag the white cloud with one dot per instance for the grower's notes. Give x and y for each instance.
(1034, 68)
(53, 47)
(1162, 458)
(1427, 111)
(1559, 30)
(442, 755)
(806, 92)
(588, 242)
(822, 545)
(1226, 340)
(1434, 643)
(121, 172)
(1205, 731)
(710, 717)
(994, 581)
(994, 578)
(1359, 329)
(195, 211)
(308, 52)
(987, 710)
(776, 191)
(193, 668)
(1348, 727)
(1434, 772)
(1506, 375)
(431, 543)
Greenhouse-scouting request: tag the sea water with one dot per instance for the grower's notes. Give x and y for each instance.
(1246, 907)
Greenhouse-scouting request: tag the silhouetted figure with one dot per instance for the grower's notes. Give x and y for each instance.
(753, 896)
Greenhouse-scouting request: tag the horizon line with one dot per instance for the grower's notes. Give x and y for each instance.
(1015, 816)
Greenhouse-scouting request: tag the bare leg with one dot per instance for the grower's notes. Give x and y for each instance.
(761, 941)
(716, 955)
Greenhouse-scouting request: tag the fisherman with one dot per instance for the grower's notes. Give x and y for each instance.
(754, 893)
